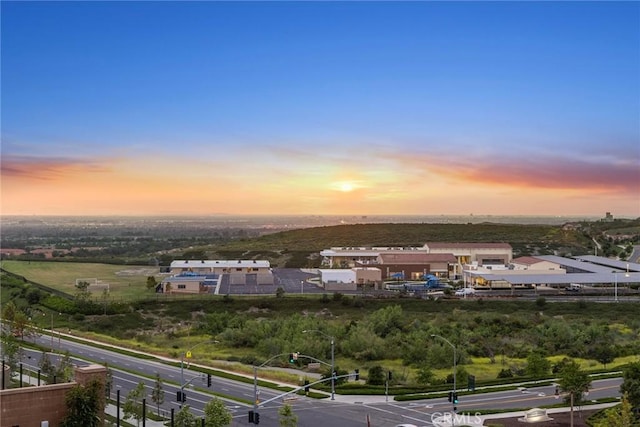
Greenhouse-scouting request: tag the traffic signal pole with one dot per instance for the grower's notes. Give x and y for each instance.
(455, 394)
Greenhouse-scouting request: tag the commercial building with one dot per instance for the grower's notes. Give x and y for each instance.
(349, 279)
(554, 271)
(444, 260)
(205, 276)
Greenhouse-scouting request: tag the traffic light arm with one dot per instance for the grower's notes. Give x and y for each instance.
(313, 358)
(270, 359)
(187, 383)
(297, 389)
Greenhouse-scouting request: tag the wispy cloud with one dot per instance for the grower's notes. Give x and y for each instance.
(48, 168)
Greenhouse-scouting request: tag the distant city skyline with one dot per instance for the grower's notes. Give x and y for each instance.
(322, 108)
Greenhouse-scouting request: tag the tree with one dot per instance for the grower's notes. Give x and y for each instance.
(537, 365)
(157, 394)
(287, 417)
(46, 367)
(184, 418)
(133, 405)
(425, 376)
(574, 381)
(82, 291)
(151, 282)
(618, 416)
(21, 325)
(12, 352)
(64, 372)
(9, 312)
(84, 405)
(216, 414)
(375, 375)
(603, 353)
(631, 383)
(108, 384)
(16, 320)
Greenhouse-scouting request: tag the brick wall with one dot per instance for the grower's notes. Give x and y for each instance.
(29, 406)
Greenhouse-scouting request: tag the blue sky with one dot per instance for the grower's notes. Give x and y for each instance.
(347, 107)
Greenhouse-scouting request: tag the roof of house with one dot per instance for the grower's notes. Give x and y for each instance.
(415, 258)
(527, 260)
(468, 245)
(220, 263)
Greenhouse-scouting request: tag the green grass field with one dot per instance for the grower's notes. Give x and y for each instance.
(126, 282)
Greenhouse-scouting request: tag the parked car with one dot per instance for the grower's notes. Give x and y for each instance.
(574, 287)
(465, 291)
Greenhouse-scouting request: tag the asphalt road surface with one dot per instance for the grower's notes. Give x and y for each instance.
(345, 411)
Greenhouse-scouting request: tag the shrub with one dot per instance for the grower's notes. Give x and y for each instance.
(375, 375)
(505, 373)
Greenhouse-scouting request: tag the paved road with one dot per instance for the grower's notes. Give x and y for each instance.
(345, 411)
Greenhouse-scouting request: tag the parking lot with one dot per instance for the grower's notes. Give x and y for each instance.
(292, 280)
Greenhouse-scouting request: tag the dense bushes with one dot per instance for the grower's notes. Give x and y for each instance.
(392, 332)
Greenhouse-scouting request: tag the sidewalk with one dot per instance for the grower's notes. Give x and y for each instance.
(111, 410)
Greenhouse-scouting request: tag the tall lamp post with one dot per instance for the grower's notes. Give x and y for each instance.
(52, 330)
(333, 366)
(454, 363)
(187, 353)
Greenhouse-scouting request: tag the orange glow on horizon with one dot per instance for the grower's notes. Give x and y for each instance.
(173, 187)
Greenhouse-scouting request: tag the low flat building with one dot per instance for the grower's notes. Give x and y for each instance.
(462, 253)
(189, 283)
(527, 263)
(414, 266)
(480, 253)
(203, 276)
(338, 279)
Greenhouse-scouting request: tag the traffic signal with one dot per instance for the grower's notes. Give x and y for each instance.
(256, 418)
(357, 374)
(450, 396)
(208, 380)
(251, 417)
(181, 396)
(471, 382)
(455, 398)
(306, 386)
(390, 376)
(293, 357)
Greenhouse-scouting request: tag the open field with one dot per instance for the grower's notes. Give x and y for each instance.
(125, 281)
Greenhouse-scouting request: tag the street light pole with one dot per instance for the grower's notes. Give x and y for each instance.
(333, 360)
(51, 332)
(454, 362)
(333, 372)
(255, 389)
(182, 355)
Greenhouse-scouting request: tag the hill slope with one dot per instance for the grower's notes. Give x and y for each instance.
(292, 248)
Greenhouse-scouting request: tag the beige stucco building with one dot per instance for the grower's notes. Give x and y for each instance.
(438, 258)
(204, 276)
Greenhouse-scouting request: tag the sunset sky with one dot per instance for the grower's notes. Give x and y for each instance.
(364, 108)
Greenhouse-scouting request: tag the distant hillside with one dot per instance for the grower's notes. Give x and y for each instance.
(299, 245)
